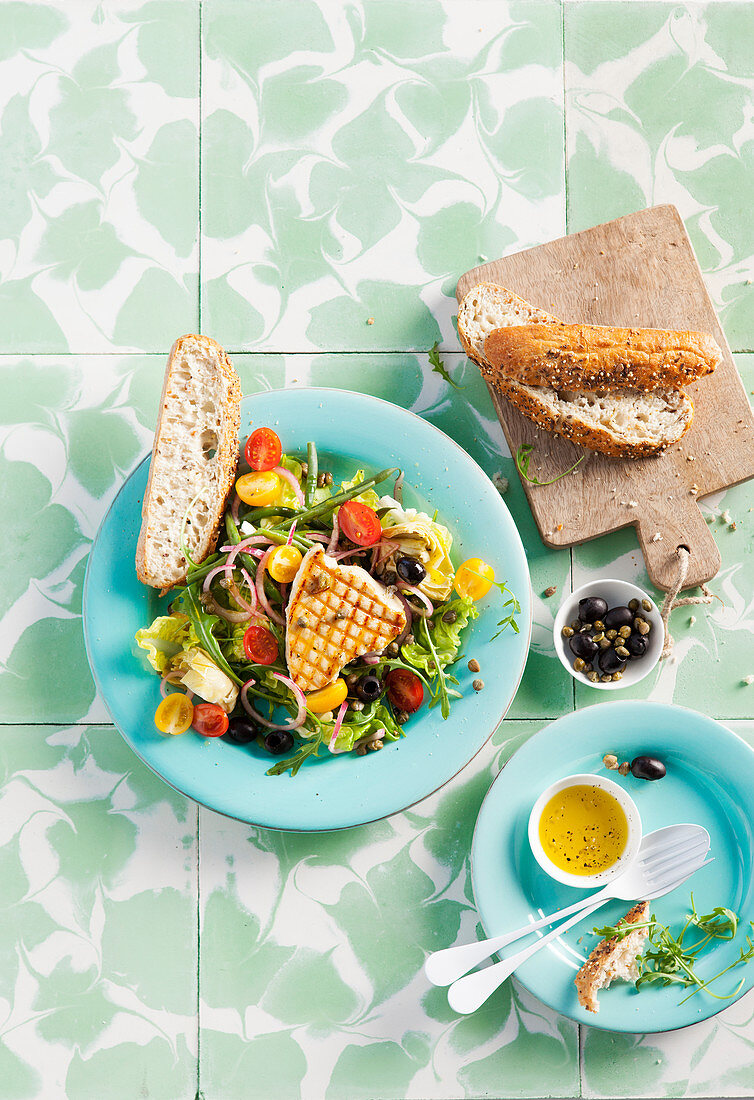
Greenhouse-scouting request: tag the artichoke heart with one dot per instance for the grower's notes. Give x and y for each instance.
(202, 676)
(418, 536)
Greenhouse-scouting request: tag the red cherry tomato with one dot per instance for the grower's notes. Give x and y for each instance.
(210, 720)
(260, 645)
(359, 523)
(404, 689)
(263, 449)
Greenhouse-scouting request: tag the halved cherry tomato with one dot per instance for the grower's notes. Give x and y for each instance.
(359, 523)
(259, 488)
(327, 698)
(404, 689)
(263, 449)
(174, 714)
(283, 563)
(474, 578)
(260, 645)
(210, 720)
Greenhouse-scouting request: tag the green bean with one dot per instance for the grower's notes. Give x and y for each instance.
(199, 572)
(335, 501)
(273, 510)
(311, 473)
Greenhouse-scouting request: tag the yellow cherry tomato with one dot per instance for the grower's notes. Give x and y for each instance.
(328, 697)
(474, 578)
(174, 714)
(283, 563)
(260, 488)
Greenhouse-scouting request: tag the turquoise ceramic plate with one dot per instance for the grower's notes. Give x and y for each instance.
(350, 430)
(710, 779)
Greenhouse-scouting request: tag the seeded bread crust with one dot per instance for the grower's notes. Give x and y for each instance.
(199, 414)
(612, 959)
(595, 357)
(630, 424)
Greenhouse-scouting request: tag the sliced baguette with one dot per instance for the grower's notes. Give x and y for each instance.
(631, 424)
(194, 459)
(596, 357)
(613, 959)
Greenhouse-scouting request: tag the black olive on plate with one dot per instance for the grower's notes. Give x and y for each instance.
(410, 570)
(581, 645)
(647, 767)
(369, 688)
(636, 645)
(609, 661)
(618, 617)
(278, 741)
(592, 608)
(242, 730)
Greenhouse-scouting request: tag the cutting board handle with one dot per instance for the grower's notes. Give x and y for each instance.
(683, 525)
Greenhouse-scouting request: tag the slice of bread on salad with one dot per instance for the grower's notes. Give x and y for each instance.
(194, 461)
(626, 423)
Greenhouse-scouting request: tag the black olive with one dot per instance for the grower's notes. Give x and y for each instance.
(592, 608)
(618, 617)
(410, 570)
(647, 767)
(242, 730)
(609, 661)
(369, 688)
(278, 741)
(636, 645)
(581, 645)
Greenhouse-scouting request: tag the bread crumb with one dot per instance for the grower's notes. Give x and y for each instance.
(630, 503)
(656, 537)
(694, 490)
(726, 517)
(748, 680)
(370, 320)
(501, 483)
(692, 620)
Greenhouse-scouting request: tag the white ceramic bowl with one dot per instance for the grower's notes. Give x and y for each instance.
(618, 594)
(630, 852)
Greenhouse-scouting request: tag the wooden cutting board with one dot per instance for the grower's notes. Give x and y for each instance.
(639, 270)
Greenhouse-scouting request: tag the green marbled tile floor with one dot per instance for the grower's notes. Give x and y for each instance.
(276, 173)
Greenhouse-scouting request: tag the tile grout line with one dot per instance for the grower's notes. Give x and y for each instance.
(311, 352)
(199, 177)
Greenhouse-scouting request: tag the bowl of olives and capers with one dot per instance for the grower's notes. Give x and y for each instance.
(608, 634)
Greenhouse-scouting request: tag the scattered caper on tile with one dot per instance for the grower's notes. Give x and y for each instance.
(473, 665)
(478, 685)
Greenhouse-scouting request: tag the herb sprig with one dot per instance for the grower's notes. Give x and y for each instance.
(437, 366)
(515, 606)
(670, 960)
(523, 458)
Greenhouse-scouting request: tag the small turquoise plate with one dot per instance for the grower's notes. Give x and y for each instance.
(330, 792)
(710, 780)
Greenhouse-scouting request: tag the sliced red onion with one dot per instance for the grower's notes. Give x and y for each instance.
(236, 594)
(377, 735)
(230, 616)
(294, 723)
(269, 610)
(211, 576)
(338, 724)
(382, 551)
(284, 593)
(420, 596)
(173, 677)
(291, 533)
(335, 534)
(292, 481)
(346, 553)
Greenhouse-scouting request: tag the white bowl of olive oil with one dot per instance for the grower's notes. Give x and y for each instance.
(584, 830)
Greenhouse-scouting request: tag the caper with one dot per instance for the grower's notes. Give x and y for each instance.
(450, 616)
(625, 632)
(585, 627)
(567, 631)
(605, 643)
(593, 676)
(624, 768)
(622, 652)
(617, 676)
(642, 626)
(633, 605)
(598, 624)
(611, 634)
(646, 605)
(579, 664)
(605, 678)
(575, 625)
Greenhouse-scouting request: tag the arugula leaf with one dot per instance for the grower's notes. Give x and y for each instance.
(204, 623)
(515, 606)
(446, 636)
(523, 457)
(293, 763)
(438, 368)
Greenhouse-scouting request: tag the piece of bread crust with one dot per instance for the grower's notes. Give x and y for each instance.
(195, 454)
(624, 425)
(596, 357)
(613, 959)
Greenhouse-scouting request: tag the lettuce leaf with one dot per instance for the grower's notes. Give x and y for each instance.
(369, 497)
(446, 637)
(165, 638)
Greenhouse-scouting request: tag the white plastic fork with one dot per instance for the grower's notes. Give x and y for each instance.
(660, 850)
